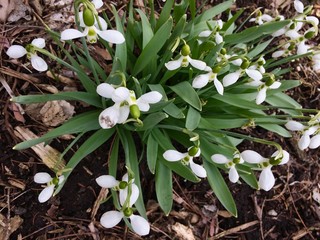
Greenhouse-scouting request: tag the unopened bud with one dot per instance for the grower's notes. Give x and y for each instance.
(88, 17)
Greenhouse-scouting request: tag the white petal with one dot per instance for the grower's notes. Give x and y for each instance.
(293, 34)
(42, 177)
(69, 34)
(103, 24)
(218, 86)
(201, 80)
(275, 85)
(97, 3)
(302, 48)
(197, 63)
(173, 155)
(285, 157)
(39, 42)
(120, 94)
(314, 142)
(218, 38)
(107, 181)
(231, 78)
(266, 18)
(175, 64)
(266, 179)
(16, 51)
(277, 54)
(304, 142)
(254, 74)
(314, 20)
(205, 33)
(198, 169)
(123, 193)
(220, 159)
(61, 179)
(261, 96)
(143, 106)
(112, 36)
(46, 193)
(151, 97)
(237, 62)
(105, 90)
(140, 225)
(111, 219)
(233, 174)
(38, 63)
(109, 117)
(123, 114)
(294, 126)
(311, 130)
(279, 32)
(298, 6)
(252, 157)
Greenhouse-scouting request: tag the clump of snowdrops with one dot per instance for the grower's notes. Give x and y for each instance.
(179, 86)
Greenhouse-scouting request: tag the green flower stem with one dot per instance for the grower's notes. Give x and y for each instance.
(94, 72)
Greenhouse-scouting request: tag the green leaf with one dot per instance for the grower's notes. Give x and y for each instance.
(255, 32)
(221, 123)
(285, 103)
(163, 181)
(152, 120)
(259, 49)
(214, 11)
(193, 119)
(174, 111)
(165, 13)
(147, 32)
(276, 129)
(153, 47)
(216, 180)
(247, 175)
(82, 123)
(91, 144)
(89, 98)
(129, 147)
(188, 94)
(152, 153)
(238, 100)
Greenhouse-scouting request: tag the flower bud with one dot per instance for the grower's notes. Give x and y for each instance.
(185, 51)
(88, 17)
(193, 151)
(135, 111)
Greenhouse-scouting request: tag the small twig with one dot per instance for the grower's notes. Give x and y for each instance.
(235, 229)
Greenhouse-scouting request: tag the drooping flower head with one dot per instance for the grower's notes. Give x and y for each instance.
(18, 51)
(51, 183)
(187, 159)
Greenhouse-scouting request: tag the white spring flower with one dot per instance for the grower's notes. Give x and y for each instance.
(93, 32)
(45, 178)
(266, 178)
(125, 103)
(203, 79)
(261, 19)
(187, 159)
(18, 51)
(184, 60)
(111, 218)
(298, 6)
(232, 78)
(230, 164)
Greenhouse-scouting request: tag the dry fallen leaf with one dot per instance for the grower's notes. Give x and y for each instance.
(49, 156)
(8, 227)
(6, 7)
(183, 232)
(21, 10)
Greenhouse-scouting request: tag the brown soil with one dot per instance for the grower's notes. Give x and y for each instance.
(288, 211)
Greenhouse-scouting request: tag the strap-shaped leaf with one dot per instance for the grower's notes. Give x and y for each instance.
(152, 153)
(82, 123)
(193, 119)
(188, 94)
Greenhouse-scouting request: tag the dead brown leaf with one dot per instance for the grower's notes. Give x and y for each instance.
(8, 226)
(183, 232)
(6, 7)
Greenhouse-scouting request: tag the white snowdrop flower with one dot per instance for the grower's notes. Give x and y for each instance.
(125, 103)
(17, 51)
(184, 60)
(93, 31)
(218, 38)
(230, 164)
(283, 52)
(45, 178)
(302, 47)
(97, 3)
(187, 159)
(313, 20)
(298, 6)
(294, 125)
(314, 142)
(203, 79)
(108, 181)
(266, 178)
(111, 218)
(231, 78)
(261, 19)
(262, 91)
